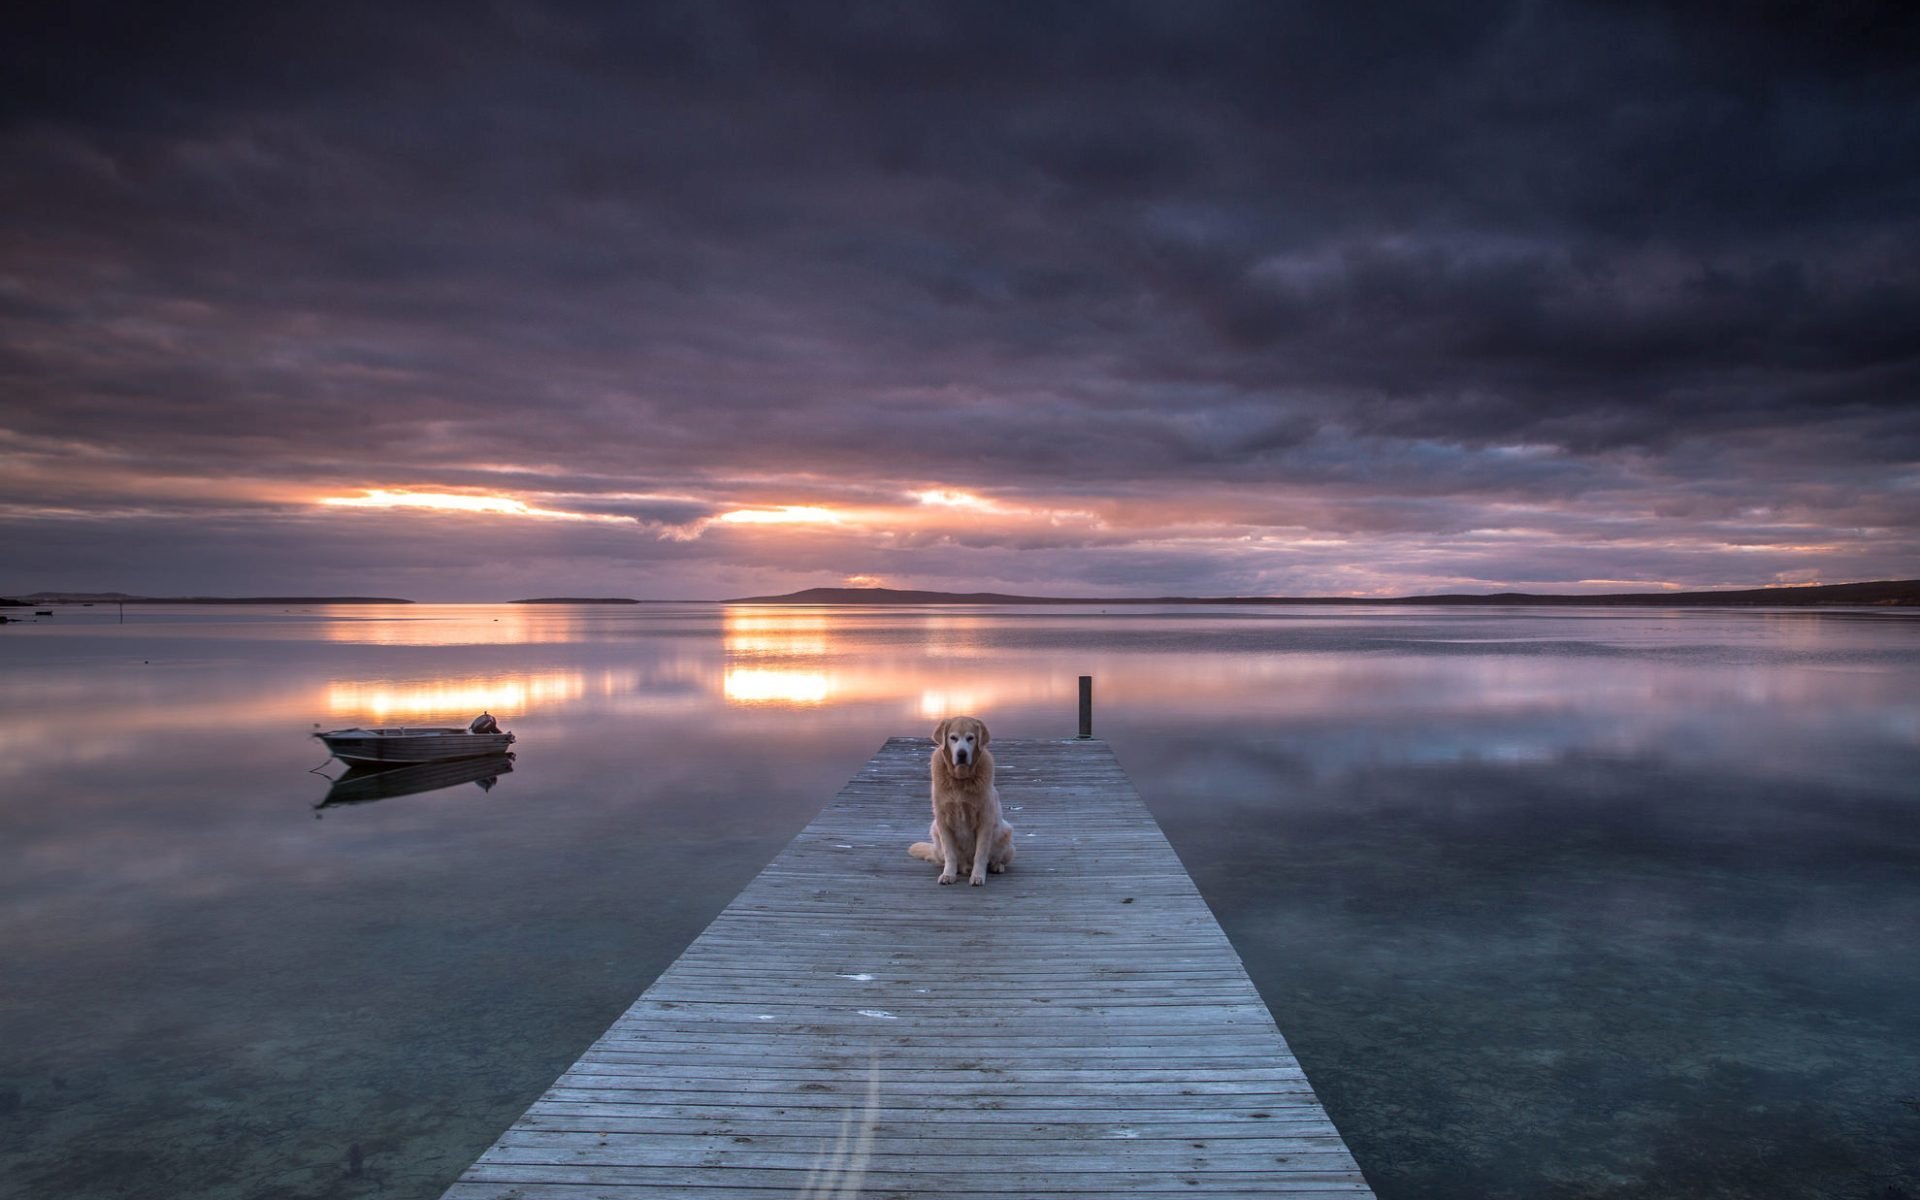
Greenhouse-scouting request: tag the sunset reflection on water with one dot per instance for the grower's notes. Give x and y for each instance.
(774, 633)
(776, 657)
(448, 624)
(381, 700)
(815, 657)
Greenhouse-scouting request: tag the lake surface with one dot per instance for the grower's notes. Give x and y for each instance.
(1549, 902)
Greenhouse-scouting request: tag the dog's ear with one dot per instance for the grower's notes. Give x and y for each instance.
(940, 732)
(985, 737)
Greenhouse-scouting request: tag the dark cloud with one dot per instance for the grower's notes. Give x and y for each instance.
(1340, 272)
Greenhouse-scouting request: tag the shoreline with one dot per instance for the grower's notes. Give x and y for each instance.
(1898, 593)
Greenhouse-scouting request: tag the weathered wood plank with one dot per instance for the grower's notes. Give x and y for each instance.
(1176, 1124)
(849, 1026)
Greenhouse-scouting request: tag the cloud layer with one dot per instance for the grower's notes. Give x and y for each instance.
(1208, 298)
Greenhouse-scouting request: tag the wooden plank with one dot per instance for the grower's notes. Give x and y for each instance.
(1078, 1027)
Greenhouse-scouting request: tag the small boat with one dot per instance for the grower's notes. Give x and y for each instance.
(397, 745)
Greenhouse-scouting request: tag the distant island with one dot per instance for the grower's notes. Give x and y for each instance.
(1887, 593)
(125, 598)
(1892, 593)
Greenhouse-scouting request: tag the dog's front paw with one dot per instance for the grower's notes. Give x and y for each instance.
(977, 880)
(948, 877)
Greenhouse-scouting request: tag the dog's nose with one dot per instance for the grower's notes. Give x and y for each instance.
(960, 756)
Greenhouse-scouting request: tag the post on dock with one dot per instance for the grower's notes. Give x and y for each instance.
(1086, 706)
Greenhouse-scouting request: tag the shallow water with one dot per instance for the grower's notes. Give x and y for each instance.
(1550, 903)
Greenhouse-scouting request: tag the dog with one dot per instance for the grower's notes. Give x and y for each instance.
(968, 832)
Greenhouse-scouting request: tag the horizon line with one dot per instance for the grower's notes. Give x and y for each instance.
(1884, 592)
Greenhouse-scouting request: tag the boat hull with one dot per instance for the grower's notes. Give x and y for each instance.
(400, 746)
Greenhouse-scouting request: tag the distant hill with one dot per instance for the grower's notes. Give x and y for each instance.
(1904, 592)
(77, 598)
(1892, 592)
(895, 596)
(124, 598)
(1883, 593)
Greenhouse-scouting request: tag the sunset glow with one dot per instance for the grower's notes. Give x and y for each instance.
(792, 514)
(1473, 449)
(950, 498)
(1117, 339)
(452, 502)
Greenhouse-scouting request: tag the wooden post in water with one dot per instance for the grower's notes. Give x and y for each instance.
(1086, 706)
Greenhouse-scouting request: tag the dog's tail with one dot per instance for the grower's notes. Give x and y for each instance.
(924, 850)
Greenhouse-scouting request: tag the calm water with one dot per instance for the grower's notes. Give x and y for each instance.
(1550, 903)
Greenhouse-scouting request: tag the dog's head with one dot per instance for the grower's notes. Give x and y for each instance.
(961, 741)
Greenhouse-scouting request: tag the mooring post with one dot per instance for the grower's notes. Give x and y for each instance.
(1086, 706)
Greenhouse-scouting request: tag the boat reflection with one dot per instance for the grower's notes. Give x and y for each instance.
(361, 785)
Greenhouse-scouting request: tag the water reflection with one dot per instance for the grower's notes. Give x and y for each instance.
(767, 685)
(777, 657)
(379, 699)
(1551, 903)
(452, 624)
(752, 633)
(361, 785)
(813, 657)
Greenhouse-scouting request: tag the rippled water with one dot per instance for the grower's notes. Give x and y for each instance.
(1550, 903)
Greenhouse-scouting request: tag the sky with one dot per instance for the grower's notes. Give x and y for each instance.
(481, 301)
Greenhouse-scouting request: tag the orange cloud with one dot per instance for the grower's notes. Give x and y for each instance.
(457, 502)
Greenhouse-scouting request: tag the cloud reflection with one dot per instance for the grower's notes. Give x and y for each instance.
(776, 657)
(503, 695)
(453, 624)
(754, 633)
(759, 685)
(817, 656)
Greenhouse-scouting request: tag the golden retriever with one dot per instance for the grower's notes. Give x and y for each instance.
(966, 806)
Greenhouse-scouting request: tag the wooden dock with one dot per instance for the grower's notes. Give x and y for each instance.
(1080, 1026)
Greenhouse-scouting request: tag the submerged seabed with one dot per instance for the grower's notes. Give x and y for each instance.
(1549, 903)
